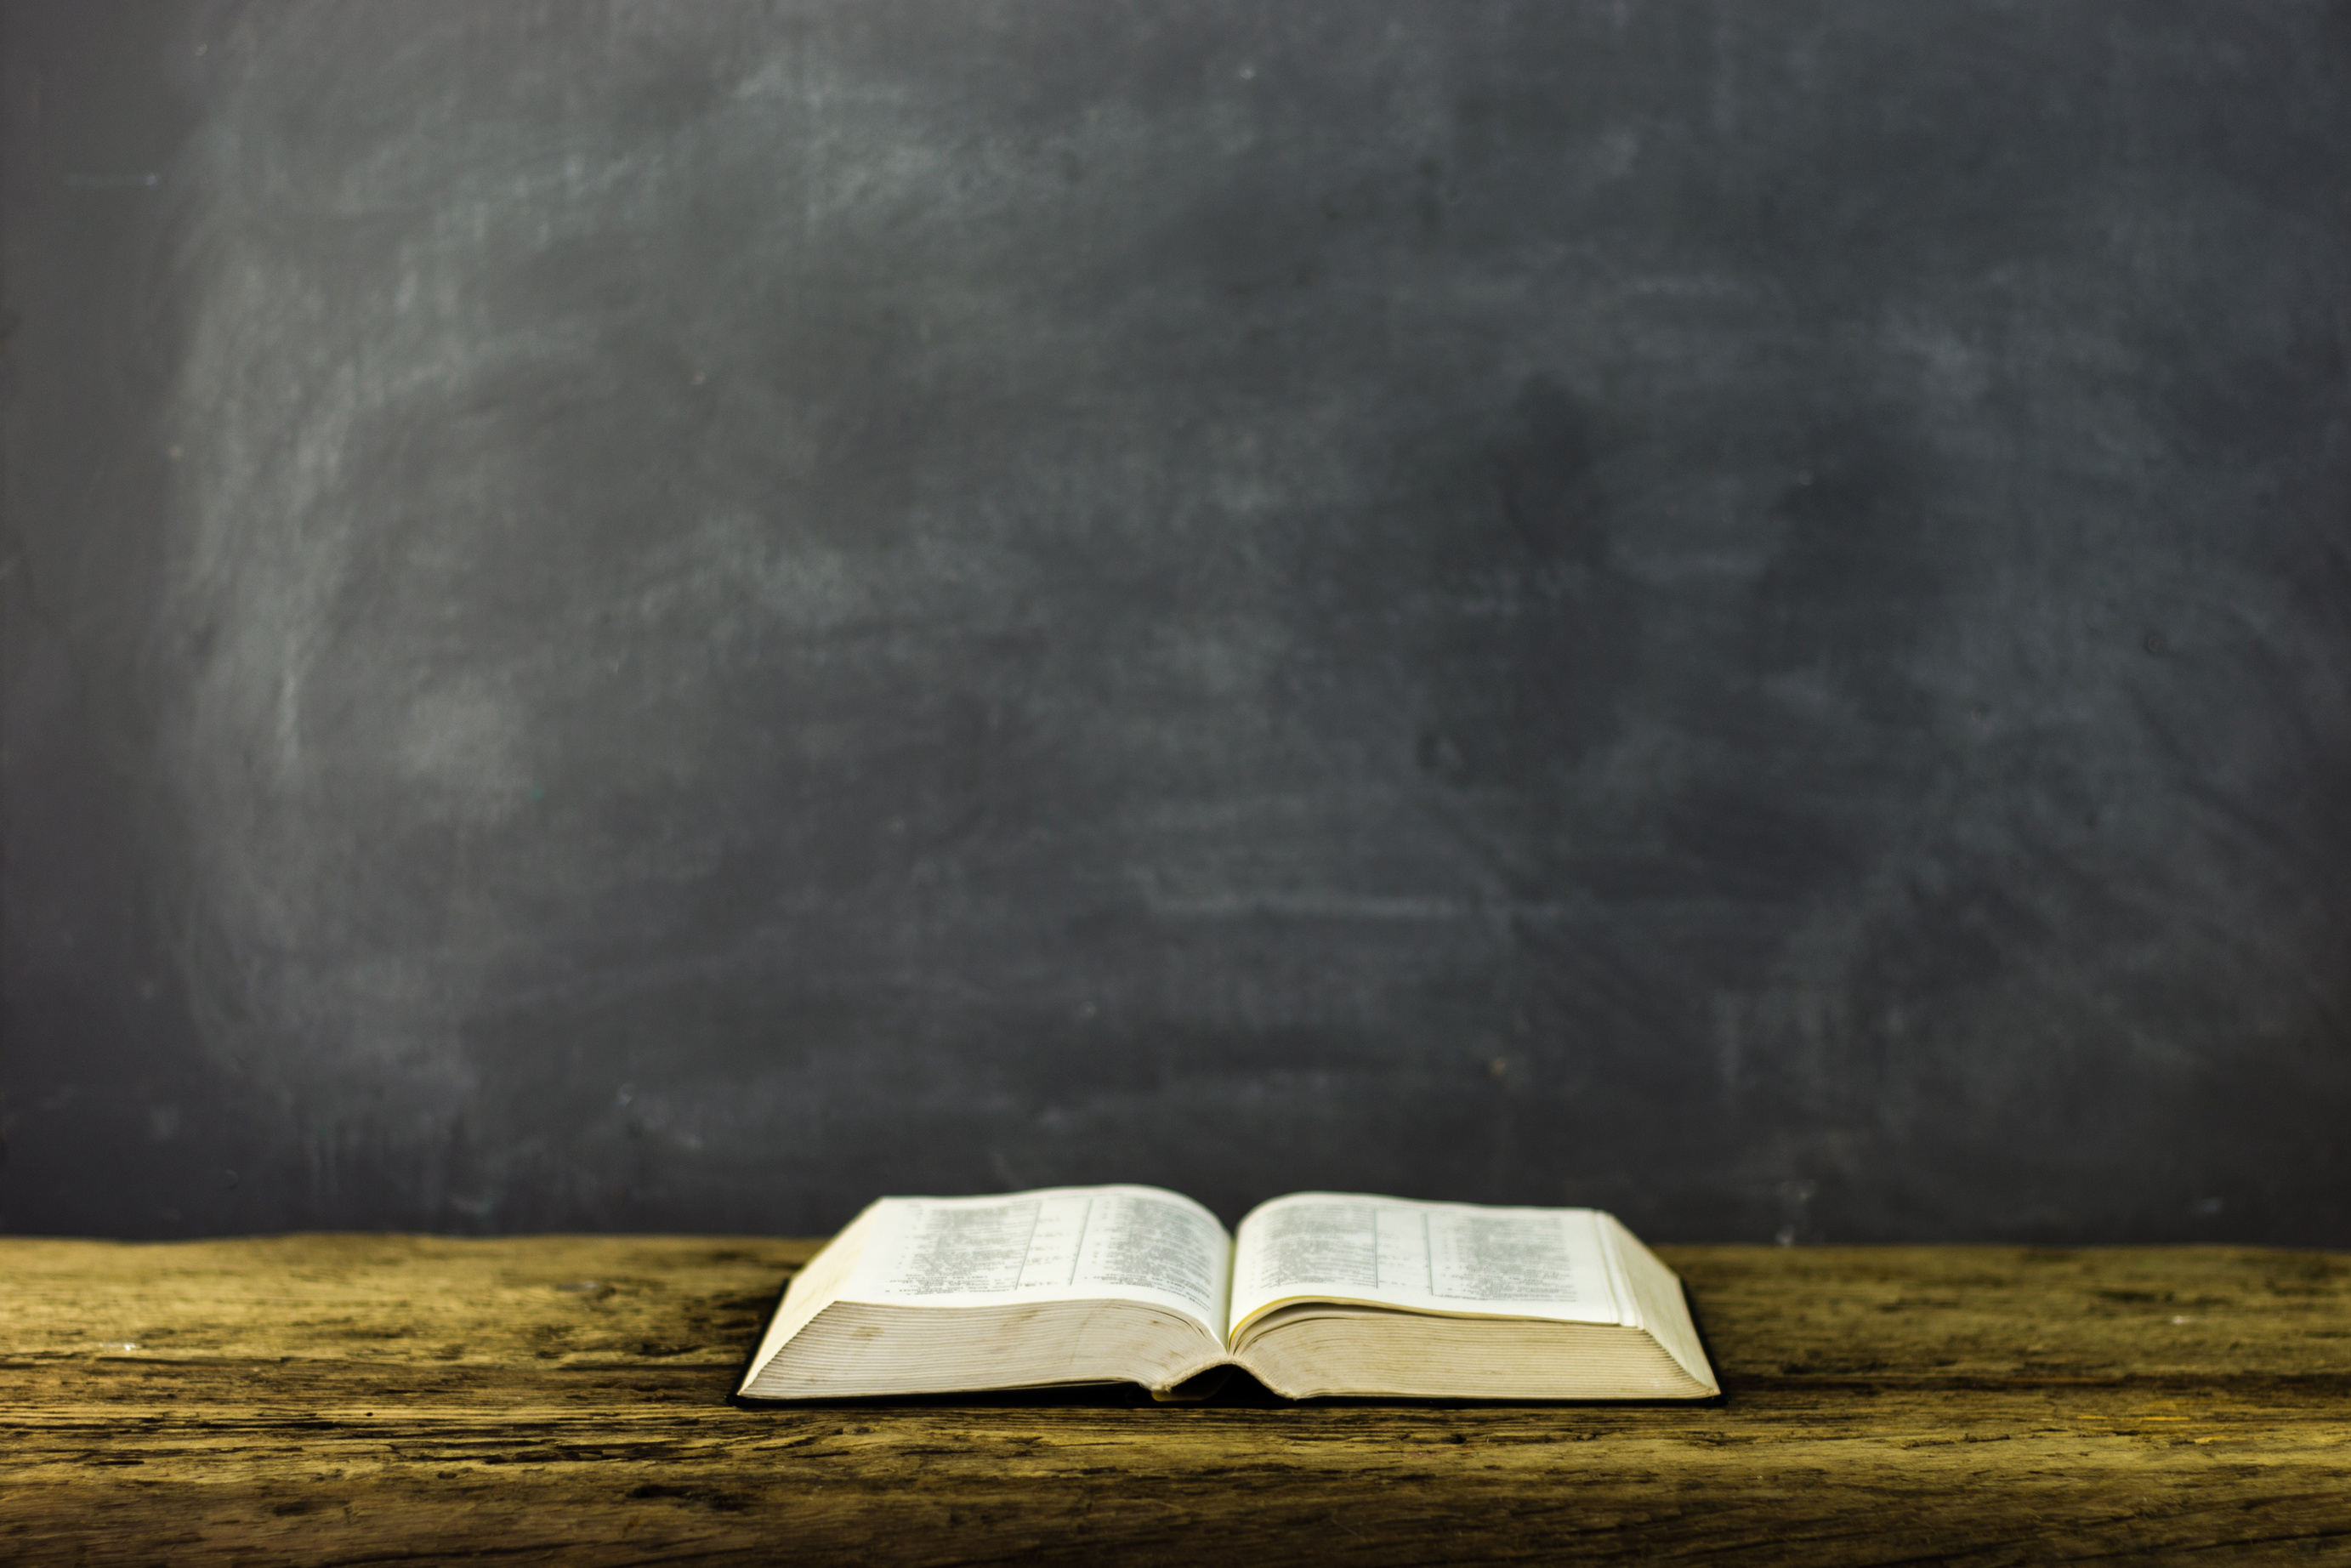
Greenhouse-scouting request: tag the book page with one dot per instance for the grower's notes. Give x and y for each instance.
(814, 1288)
(1059, 1244)
(1653, 1293)
(1456, 1258)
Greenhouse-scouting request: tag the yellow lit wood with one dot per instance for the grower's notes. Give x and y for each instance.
(336, 1398)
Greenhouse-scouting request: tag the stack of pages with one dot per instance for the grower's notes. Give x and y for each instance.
(1316, 1293)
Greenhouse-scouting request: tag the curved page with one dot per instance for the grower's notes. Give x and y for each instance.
(1059, 1244)
(1454, 1259)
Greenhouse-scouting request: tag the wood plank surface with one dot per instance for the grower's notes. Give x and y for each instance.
(349, 1399)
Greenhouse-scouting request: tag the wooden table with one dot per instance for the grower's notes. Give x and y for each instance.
(356, 1398)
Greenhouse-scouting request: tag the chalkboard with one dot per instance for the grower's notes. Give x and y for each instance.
(653, 616)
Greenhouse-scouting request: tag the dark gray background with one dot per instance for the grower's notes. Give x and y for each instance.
(675, 616)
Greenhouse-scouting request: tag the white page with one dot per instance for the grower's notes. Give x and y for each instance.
(1451, 1257)
(1059, 1244)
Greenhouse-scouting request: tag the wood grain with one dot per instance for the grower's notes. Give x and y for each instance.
(345, 1399)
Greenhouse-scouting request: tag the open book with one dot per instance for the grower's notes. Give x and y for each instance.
(1316, 1293)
